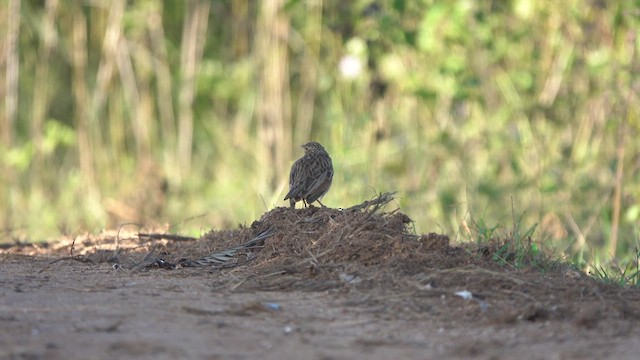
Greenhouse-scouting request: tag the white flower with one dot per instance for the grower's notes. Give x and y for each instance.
(350, 67)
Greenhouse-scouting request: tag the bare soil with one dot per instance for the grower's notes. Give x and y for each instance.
(314, 283)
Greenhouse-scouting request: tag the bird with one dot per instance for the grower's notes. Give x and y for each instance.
(311, 175)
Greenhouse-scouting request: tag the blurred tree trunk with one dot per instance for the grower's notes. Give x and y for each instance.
(193, 37)
(80, 96)
(137, 99)
(9, 66)
(163, 85)
(241, 19)
(48, 38)
(628, 103)
(274, 103)
(309, 71)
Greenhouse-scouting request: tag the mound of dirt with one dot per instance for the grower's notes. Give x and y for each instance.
(365, 248)
(323, 237)
(362, 266)
(336, 275)
(322, 244)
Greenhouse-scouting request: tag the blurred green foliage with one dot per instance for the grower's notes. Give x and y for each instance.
(471, 110)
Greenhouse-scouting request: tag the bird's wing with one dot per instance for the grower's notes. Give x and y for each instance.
(296, 180)
(319, 180)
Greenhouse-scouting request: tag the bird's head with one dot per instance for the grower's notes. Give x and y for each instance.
(312, 146)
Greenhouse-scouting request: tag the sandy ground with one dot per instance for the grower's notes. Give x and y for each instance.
(293, 299)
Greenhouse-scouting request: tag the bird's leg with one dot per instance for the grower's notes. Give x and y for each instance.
(292, 203)
(321, 204)
(305, 203)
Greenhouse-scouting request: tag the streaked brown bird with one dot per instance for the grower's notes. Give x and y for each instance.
(310, 176)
